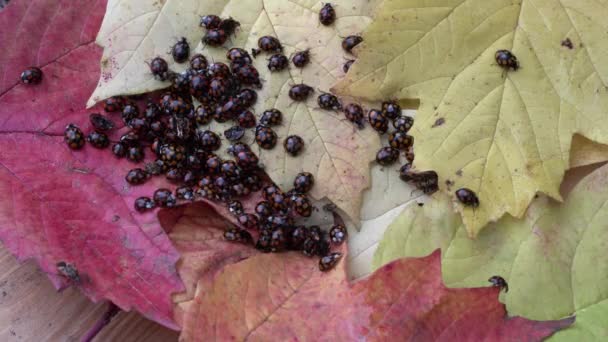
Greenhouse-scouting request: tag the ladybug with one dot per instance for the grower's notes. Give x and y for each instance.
(280, 221)
(277, 62)
(269, 44)
(74, 137)
(198, 62)
(218, 69)
(130, 139)
(354, 114)
(209, 140)
(136, 176)
(171, 155)
(31, 75)
(499, 281)
(175, 175)
(180, 82)
(278, 240)
(391, 109)
(114, 104)
(350, 42)
(193, 161)
(270, 190)
(249, 221)
(231, 170)
(239, 56)
(248, 75)
(279, 201)
(297, 237)
(337, 233)
(210, 21)
(144, 204)
(347, 65)
(405, 172)
(199, 87)
(237, 148)
(409, 155)
(100, 122)
(234, 133)
(203, 115)
(293, 145)
(215, 37)
(330, 261)
(213, 164)
(229, 25)
(387, 156)
(158, 127)
(246, 97)
(265, 137)
(184, 193)
(226, 112)
(327, 14)
(403, 123)
(264, 241)
(164, 198)
(156, 167)
(159, 68)
(400, 140)
(129, 112)
(218, 87)
(235, 208)
(301, 58)
(377, 120)
(181, 50)
(301, 205)
(303, 182)
(467, 197)
(119, 150)
(138, 124)
(98, 140)
(252, 180)
(329, 102)
(247, 160)
(178, 107)
(300, 92)
(506, 59)
(190, 177)
(135, 154)
(427, 181)
(152, 111)
(238, 235)
(271, 117)
(246, 119)
(263, 209)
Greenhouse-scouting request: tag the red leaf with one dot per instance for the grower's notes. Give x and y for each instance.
(286, 298)
(60, 205)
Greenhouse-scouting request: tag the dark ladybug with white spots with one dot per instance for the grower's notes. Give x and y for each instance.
(246, 119)
(277, 62)
(98, 140)
(114, 104)
(347, 65)
(265, 137)
(269, 44)
(377, 120)
(409, 155)
(119, 150)
(301, 58)
(400, 140)
(203, 115)
(247, 160)
(164, 198)
(209, 140)
(246, 97)
(184, 193)
(303, 182)
(235, 208)
(405, 172)
(159, 68)
(249, 221)
(234, 133)
(198, 62)
(74, 137)
(238, 235)
(506, 59)
(136, 176)
(100, 122)
(181, 50)
(293, 145)
(171, 154)
(350, 42)
(337, 233)
(354, 114)
(271, 117)
(328, 102)
(175, 175)
(387, 156)
(391, 109)
(467, 197)
(210, 21)
(129, 112)
(31, 75)
(248, 75)
(218, 69)
(330, 261)
(499, 281)
(327, 14)
(135, 154)
(300, 92)
(238, 54)
(263, 209)
(301, 205)
(403, 123)
(143, 204)
(215, 37)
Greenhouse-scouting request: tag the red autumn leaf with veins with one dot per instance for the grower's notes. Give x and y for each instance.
(286, 298)
(72, 206)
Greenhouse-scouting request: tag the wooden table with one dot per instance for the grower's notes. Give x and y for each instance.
(31, 310)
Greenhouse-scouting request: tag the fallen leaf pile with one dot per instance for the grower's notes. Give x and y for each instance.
(507, 135)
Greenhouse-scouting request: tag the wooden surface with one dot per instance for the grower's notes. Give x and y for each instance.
(31, 310)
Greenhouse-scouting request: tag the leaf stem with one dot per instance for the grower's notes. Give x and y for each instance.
(101, 323)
